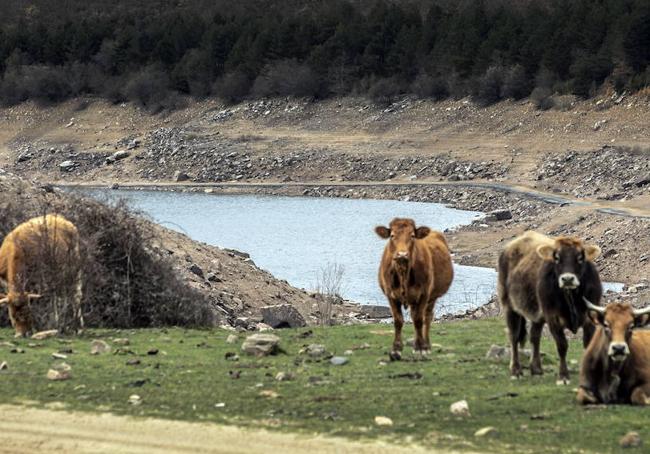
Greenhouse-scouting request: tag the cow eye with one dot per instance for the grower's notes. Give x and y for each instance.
(556, 257)
(581, 258)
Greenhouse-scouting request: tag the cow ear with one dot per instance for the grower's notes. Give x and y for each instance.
(383, 232)
(422, 232)
(545, 251)
(641, 320)
(591, 252)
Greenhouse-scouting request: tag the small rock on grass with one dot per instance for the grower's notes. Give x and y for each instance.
(4, 365)
(383, 421)
(121, 341)
(232, 339)
(486, 432)
(630, 440)
(99, 346)
(45, 334)
(460, 408)
(261, 344)
(59, 356)
(269, 394)
(133, 362)
(339, 360)
(59, 373)
(134, 399)
(284, 376)
(152, 351)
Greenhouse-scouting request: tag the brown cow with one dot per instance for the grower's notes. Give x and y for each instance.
(616, 365)
(415, 271)
(544, 279)
(44, 236)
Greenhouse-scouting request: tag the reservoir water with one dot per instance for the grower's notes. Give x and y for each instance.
(296, 238)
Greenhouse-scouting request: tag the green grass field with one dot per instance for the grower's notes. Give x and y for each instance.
(190, 375)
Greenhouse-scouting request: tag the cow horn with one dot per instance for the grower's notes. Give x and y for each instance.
(645, 310)
(593, 307)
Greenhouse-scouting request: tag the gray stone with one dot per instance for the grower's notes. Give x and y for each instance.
(196, 269)
(122, 154)
(261, 344)
(180, 176)
(630, 440)
(283, 316)
(99, 346)
(67, 166)
(314, 350)
(500, 215)
(339, 360)
(497, 353)
(376, 311)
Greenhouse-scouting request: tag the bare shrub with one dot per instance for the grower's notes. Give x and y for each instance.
(542, 98)
(328, 286)
(126, 282)
(148, 87)
(232, 87)
(488, 88)
(287, 78)
(384, 91)
(426, 86)
(515, 83)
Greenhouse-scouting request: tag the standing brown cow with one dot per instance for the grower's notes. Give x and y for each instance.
(415, 271)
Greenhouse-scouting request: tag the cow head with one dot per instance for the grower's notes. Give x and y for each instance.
(570, 257)
(19, 310)
(617, 321)
(402, 234)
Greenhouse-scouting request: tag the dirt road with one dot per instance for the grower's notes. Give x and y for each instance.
(28, 430)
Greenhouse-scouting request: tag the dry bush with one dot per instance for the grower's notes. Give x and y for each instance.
(328, 287)
(126, 283)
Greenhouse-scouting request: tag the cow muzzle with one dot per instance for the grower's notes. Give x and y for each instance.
(568, 281)
(401, 257)
(618, 351)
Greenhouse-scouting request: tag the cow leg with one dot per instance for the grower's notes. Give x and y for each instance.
(428, 318)
(77, 301)
(418, 324)
(516, 323)
(562, 347)
(641, 395)
(535, 338)
(398, 322)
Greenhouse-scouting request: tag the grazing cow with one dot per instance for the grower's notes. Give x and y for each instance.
(543, 280)
(616, 365)
(51, 237)
(415, 271)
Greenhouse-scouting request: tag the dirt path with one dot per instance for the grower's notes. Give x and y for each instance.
(27, 430)
(637, 209)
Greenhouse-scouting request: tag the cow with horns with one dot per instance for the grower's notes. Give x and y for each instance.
(51, 239)
(616, 365)
(544, 279)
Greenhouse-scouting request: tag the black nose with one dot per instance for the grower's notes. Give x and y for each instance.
(618, 349)
(567, 279)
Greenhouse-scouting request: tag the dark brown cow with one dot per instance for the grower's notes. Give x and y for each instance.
(50, 234)
(415, 271)
(616, 365)
(544, 279)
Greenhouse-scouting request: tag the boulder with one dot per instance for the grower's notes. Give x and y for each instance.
(261, 344)
(180, 176)
(460, 408)
(499, 215)
(376, 311)
(196, 269)
(67, 166)
(45, 334)
(99, 346)
(630, 440)
(283, 316)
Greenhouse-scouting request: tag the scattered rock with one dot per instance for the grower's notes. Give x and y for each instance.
(59, 372)
(41, 335)
(630, 440)
(460, 408)
(339, 360)
(270, 394)
(261, 344)
(497, 353)
(232, 339)
(134, 399)
(59, 356)
(152, 351)
(499, 215)
(4, 365)
(315, 351)
(383, 421)
(180, 176)
(99, 346)
(67, 166)
(121, 341)
(283, 316)
(231, 356)
(133, 362)
(284, 376)
(375, 311)
(486, 431)
(196, 269)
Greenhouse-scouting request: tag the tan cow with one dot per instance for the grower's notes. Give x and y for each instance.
(49, 236)
(415, 271)
(616, 365)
